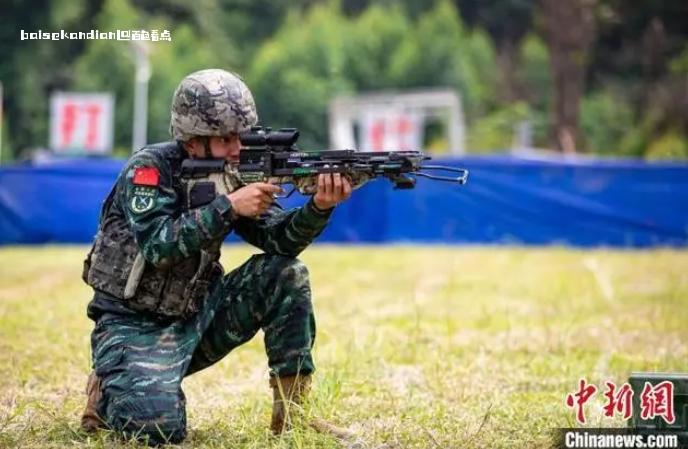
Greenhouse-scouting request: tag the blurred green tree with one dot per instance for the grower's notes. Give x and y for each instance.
(31, 69)
(606, 119)
(322, 53)
(615, 69)
(109, 65)
(507, 22)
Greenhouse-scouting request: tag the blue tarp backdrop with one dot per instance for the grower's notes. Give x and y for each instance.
(507, 200)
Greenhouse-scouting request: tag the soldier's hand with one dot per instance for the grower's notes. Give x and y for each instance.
(333, 188)
(253, 199)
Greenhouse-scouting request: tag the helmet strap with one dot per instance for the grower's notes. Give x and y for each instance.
(206, 144)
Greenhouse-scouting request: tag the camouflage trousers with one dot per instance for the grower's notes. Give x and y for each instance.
(142, 361)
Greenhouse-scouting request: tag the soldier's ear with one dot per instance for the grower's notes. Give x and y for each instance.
(192, 146)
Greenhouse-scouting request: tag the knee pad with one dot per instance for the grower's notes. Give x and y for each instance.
(156, 416)
(285, 269)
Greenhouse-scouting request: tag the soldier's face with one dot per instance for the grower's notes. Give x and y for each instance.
(226, 147)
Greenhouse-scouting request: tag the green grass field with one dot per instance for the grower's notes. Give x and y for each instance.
(417, 347)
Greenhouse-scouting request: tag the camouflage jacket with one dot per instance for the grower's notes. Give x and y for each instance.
(157, 255)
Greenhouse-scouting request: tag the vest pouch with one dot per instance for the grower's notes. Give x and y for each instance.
(197, 290)
(199, 287)
(89, 258)
(195, 293)
(110, 263)
(87, 262)
(148, 294)
(174, 299)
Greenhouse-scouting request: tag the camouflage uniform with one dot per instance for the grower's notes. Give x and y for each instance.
(162, 307)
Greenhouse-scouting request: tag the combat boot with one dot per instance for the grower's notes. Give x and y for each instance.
(289, 393)
(90, 421)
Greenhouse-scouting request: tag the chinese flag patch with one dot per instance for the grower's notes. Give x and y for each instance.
(146, 176)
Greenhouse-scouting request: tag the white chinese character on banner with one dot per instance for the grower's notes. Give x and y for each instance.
(81, 123)
(385, 130)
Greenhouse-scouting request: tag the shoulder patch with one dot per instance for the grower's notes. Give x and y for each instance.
(146, 176)
(143, 199)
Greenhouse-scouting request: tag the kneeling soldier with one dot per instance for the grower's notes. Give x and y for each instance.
(163, 307)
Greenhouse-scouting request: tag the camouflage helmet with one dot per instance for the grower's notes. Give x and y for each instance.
(212, 102)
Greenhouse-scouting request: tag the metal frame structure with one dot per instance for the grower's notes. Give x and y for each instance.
(346, 112)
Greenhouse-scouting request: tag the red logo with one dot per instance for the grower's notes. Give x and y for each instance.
(658, 401)
(619, 401)
(146, 176)
(655, 400)
(578, 399)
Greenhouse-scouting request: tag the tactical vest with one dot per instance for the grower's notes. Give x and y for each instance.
(116, 266)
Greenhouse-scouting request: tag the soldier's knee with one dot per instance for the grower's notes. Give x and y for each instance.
(158, 417)
(286, 271)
